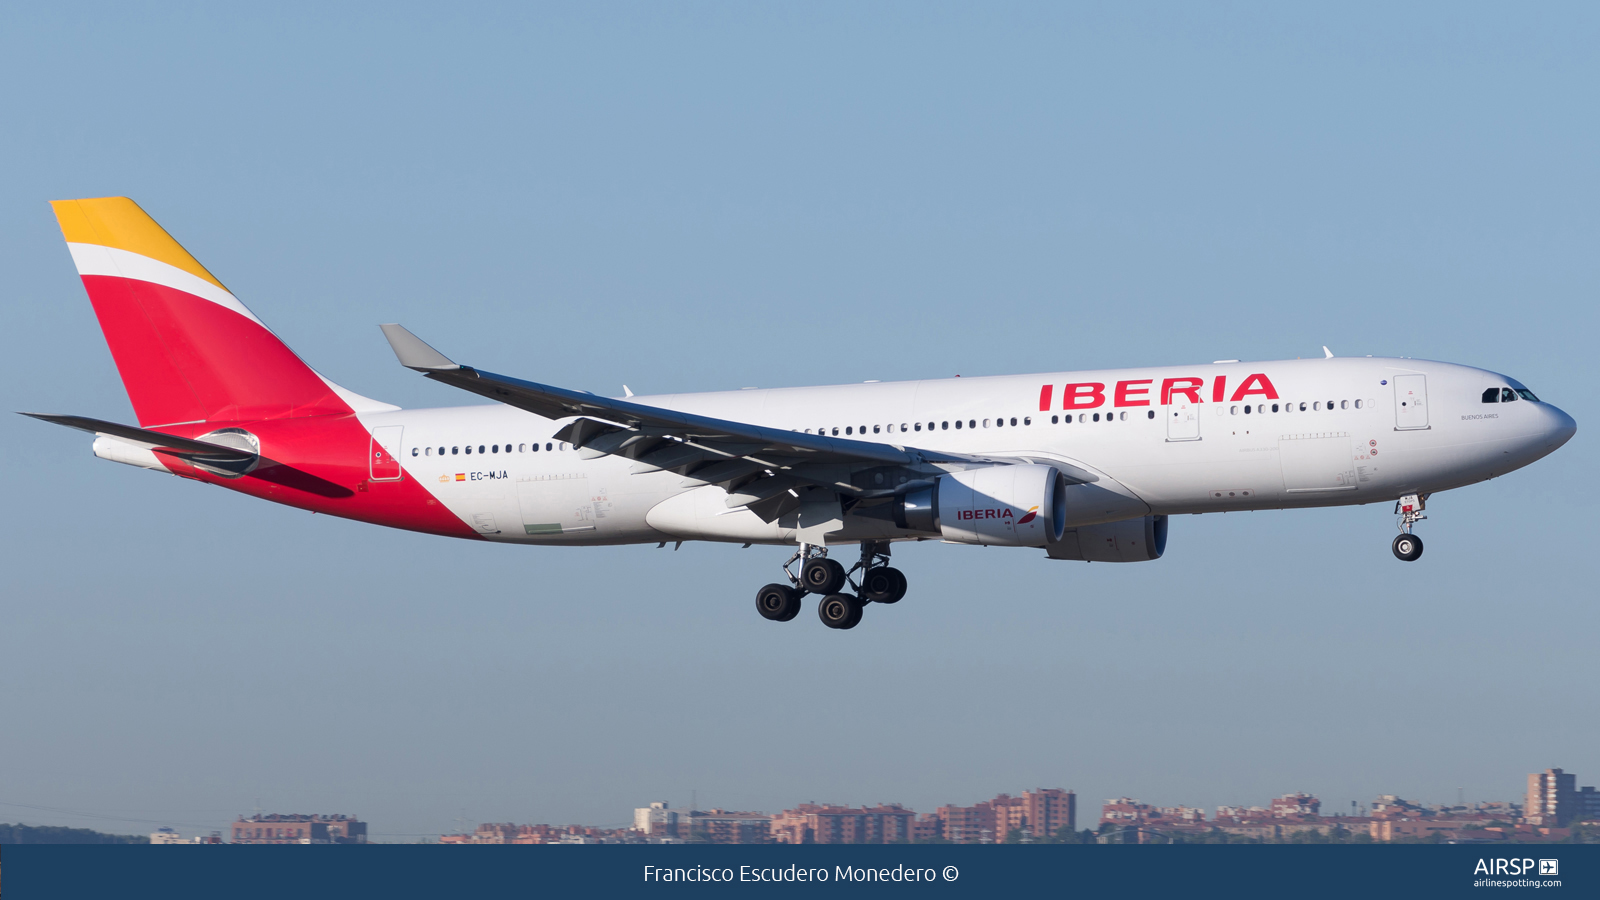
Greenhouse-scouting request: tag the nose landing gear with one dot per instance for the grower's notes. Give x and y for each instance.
(1408, 547)
(880, 583)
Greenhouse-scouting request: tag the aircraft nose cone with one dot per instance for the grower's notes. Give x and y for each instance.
(1561, 428)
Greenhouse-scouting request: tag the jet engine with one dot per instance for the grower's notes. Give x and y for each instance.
(1131, 540)
(1003, 506)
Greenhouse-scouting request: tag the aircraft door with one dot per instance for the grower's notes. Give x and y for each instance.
(1183, 419)
(383, 455)
(1410, 402)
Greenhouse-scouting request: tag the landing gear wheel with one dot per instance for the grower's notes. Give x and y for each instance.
(1407, 547)
(778, 602)
(839, 611)
(884, 584)
(821, 575)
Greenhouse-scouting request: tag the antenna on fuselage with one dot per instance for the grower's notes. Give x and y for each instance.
(1326, 353)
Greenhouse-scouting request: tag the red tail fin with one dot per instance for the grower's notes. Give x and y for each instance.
(187, 349)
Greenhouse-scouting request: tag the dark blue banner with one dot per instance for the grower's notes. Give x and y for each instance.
(35, 872)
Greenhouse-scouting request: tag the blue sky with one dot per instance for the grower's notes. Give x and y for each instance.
(700, 196)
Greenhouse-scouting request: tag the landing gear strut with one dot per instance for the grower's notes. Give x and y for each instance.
(1408, 547)
(879, 583)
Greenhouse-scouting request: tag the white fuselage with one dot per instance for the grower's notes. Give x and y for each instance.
(1319, 432)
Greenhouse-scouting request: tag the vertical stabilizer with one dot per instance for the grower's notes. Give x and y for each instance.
(186, 348)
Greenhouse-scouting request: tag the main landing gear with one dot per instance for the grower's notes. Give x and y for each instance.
(879, 583)
(1408, 547)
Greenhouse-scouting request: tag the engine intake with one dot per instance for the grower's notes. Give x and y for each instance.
(1002, 506)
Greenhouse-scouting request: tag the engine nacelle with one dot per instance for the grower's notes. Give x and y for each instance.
(1131, 540)
(1003, 506)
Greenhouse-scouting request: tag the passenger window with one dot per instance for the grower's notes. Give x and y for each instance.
(972, 423)
(902, 427)
(1233, 410)
(919, 426)
(847, 429)
(944, 426)
(535, 448)
(1330, 404)
(1507, 395)
(986, 423)
(1247, 409)
(1123, 416)
(1302, 407)
(836, 431)
(1097, 417)
(958, 424)
(469, 449)
(1083, 417)
(1317, 405)
(1151, 414)
(1526, 394)
(548, 445)
(1055, 420)
(1358, 404)
(496, 448)
(1274, 407)
(875, 429)
(1344, 404)
(1026, 420)
(413, 451)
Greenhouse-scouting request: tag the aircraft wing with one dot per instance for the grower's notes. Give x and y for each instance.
(702, 448)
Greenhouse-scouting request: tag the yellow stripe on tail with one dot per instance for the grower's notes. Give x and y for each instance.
(119, 222)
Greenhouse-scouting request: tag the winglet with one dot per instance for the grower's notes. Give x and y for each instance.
(1326, 353)
(413, 353)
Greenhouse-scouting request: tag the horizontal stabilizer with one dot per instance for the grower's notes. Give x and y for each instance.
(153, 440)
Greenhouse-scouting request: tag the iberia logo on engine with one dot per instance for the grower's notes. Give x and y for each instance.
(1004, 513)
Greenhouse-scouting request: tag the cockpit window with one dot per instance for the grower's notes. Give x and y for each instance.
(1492, 395)
(1507, 395)
(1527, 394)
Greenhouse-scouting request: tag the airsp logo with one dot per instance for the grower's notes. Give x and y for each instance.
(1514, 867)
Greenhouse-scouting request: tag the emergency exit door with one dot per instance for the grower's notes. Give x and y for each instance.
(1183, 419)
(383, 456)
(1410, 402)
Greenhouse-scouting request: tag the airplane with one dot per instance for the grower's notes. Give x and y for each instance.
(1086, 465)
